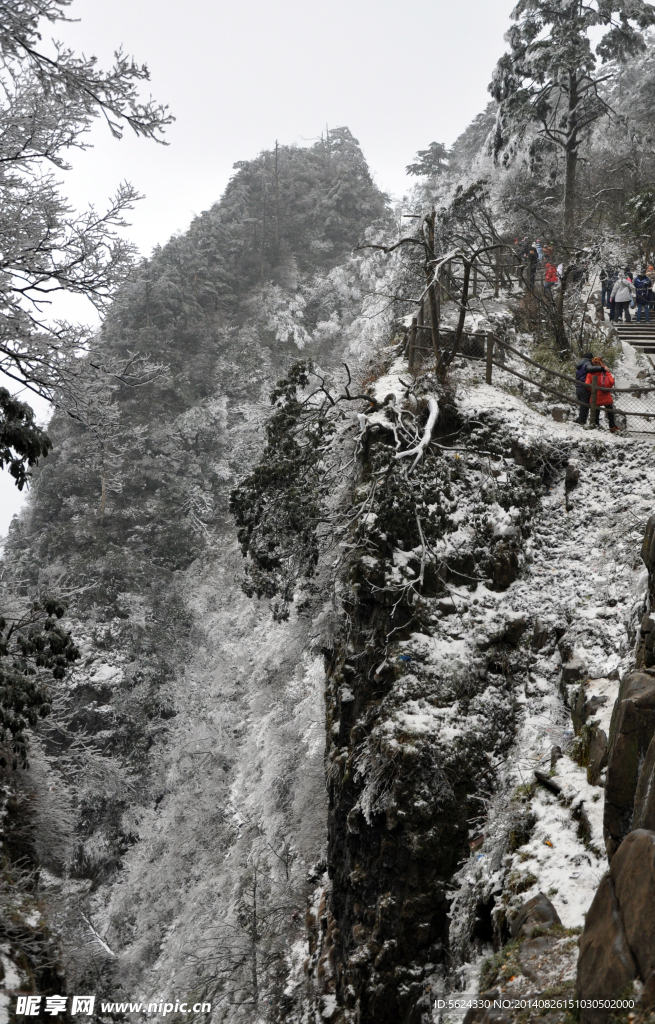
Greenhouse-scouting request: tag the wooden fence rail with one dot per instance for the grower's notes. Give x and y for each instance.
(483, 346)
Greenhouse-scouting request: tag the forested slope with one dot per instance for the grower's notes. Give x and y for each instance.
(175, 811)
(185, 750)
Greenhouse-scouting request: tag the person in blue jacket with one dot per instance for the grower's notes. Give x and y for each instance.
(643, 285)
(583, 393)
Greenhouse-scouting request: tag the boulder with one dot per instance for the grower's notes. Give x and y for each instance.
(504, 564)
(631, 730)
(618, 942)
(530, 953)
(597, 754)
(606, 966)
(648, 545)
(644, 812)
(560, 413)
(573, 670)
(539, 634)
(537, 913)
(646, 642)
(647, 997)
(633, 874)
(514, 628)
(572, 475)
(577, 701)
(490, 1015)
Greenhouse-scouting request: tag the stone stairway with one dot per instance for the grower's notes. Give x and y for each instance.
(639, 334)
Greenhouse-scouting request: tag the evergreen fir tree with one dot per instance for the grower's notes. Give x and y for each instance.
(549, 79)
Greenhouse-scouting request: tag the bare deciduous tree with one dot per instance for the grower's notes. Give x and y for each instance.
(47, 106)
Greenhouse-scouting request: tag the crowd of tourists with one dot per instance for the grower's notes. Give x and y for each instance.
(535, 255)
(623, 291)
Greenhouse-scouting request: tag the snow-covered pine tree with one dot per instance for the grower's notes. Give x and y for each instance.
(549, 82)
(430, 162)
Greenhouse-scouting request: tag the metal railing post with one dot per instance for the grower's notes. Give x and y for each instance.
(490, 356)
(412, 343)
(594, 391)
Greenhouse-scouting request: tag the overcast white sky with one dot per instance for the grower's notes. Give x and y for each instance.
(239, 74)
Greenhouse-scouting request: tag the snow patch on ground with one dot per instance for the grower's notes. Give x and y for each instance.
(584, 581)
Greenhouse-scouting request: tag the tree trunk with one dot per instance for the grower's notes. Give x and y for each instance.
(434, 318)
(571, 155)
(411, 352)
(561, 340)
(432, 291)
(447, 357)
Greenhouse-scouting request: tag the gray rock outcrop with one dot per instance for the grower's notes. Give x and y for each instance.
(631, 731)
(618, 942)
(537, 913)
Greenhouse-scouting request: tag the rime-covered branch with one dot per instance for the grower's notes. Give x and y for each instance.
(419, 449)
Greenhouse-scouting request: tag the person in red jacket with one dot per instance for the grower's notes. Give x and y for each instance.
(551, 278)
(604, 399)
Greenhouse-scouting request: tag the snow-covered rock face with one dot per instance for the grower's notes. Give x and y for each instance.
(455, 759)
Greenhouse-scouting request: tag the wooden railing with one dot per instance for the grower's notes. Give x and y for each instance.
(483, 346)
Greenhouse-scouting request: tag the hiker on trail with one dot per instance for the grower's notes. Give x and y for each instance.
(650, 271)
(643, 286)
(583, 369)
(606, 282)
(611, 304)
(604, 399)
(540, 251)
(623, 293)
(550, 278)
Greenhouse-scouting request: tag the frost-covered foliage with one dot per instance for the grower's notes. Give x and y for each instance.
(186, 746)
(35, 652)
(22, 442)
(48, 104)
(393, 529)
(548, 84)
(278, 508)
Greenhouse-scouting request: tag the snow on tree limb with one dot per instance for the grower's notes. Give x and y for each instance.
(418, 450)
